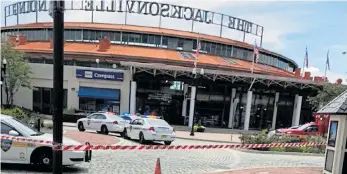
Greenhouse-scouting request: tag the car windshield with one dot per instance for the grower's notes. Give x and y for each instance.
(113, 117)
(158, 122)
(126, 118)
(23, 127)
(302, 127)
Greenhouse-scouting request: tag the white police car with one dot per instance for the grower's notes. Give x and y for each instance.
(102, 122)
(150, 128)
(26, 152)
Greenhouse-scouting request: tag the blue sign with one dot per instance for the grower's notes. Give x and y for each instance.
(99, 75)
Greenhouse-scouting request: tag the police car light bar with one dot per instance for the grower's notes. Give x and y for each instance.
(150, 116)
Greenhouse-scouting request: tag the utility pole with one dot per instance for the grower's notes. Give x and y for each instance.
(57, 10)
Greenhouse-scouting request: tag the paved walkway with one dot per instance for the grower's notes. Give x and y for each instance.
(184, 133)
(91, 137)
(278, 170)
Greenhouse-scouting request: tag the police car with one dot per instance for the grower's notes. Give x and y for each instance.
(150, 128)
(22, 152)
(102, 122)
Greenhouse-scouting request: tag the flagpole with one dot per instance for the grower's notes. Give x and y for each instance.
(303, 68)
(325, 72)
(327, 64)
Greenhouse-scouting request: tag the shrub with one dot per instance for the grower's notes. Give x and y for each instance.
(263, 139)
(16, 113)
(24, 115)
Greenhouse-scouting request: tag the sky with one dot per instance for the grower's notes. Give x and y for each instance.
(289, 26)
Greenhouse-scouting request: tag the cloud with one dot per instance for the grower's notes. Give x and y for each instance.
(332, 77)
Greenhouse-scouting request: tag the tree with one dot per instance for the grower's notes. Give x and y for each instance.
(325, 95)
(17, 71)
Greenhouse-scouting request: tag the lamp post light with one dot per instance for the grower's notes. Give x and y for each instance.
(196, 94)
(3, 75)
(114, 66)
(97, 62)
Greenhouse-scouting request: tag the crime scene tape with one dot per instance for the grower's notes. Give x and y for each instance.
(161, 147)
(181, 147)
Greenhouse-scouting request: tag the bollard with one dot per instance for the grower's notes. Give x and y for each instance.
(88, 154)
(39, 125)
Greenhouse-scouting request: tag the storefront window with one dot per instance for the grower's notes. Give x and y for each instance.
(43, 100)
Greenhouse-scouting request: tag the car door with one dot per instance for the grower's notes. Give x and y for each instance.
(134, 129)
(88, 122)
(138, 128)
(312, 130)
(98, 121)
(12, 150)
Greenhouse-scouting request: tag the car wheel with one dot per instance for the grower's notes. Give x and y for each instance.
(42, 158)
(81, 127)
(104, 130)
(142, 138)
(168, 142)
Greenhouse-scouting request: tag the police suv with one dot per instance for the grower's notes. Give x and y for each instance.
(29, 152)
(102, 122)
(150, 128)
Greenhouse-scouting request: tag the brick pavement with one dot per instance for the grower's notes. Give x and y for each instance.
(91, 137)
(277, 170)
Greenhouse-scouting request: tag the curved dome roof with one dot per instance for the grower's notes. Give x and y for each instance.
(148, 30)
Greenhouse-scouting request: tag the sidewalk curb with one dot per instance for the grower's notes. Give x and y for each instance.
(216, 141)
(67, 125)
(279, 153)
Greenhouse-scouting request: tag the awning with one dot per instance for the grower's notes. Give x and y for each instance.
(99, 93)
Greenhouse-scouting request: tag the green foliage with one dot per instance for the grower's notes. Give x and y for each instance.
(17, 71)
(16, 113)
(324, 96)
(263, 139)
(69, 111)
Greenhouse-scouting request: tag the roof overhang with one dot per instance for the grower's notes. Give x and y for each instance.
(232, 76)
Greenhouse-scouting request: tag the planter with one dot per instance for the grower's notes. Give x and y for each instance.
(72, 118)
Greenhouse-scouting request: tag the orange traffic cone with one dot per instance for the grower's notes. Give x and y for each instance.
(157, 169)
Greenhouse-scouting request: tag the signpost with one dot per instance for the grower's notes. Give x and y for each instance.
(57, 11)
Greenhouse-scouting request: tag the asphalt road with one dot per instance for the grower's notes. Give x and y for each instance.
(175, 161)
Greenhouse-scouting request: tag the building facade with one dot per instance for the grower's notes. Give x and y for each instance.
(85, 89)
(149, 71)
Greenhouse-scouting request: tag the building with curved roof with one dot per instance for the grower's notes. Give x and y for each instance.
(150, 70)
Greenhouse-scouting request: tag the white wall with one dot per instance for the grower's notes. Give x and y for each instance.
(43, 77)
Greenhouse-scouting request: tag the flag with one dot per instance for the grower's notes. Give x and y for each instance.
(328, 62)
(255, 53)
(198, 47)
(306, 58)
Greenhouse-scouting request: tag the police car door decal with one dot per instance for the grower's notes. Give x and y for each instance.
(6, 144)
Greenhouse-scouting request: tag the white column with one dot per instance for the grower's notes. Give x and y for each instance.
(274, 115)
(184, 104)
(248, 110)
(294, 109)
(298, 111)
(231, 112)
(191, 106)
(133, 97)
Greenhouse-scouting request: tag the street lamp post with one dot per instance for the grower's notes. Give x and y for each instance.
(3, 75)
(196, 95)
(97, 62)
(58, 79)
